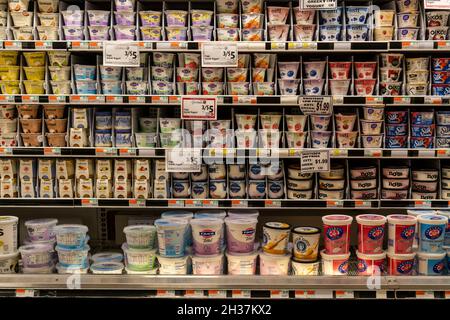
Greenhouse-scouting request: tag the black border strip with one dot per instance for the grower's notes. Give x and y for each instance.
(59, 45)
(28, 45)
(325, 46)
(192, 46)
(268, 100)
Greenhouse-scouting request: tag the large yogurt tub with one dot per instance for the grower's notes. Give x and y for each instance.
(334, 264)
(369, 264)
(242, 263)
(187, 215)
(370, 233)
(36, 255)
(71, 269)
(173, 266)
(401, 233)
(400, 264)
(207, 265)
(41, 229)
(107, 268)
(140, 236)
(431, 232)
(73, 257)
(240, 234)
(336, 230)
(107, 257)
(238, 214)
(139, 259)
(9, 262)
(71, 235)
(305, 268)
(431, 264)
(171, 236)
(206, 234)
(274, 264)
(8, 238)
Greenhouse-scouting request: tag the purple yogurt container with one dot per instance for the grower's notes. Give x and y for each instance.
(125, 18)
(241, 234)
(125, 32)
(206, 235)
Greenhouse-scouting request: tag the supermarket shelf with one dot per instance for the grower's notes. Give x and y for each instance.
(279, 204)
(243, 46)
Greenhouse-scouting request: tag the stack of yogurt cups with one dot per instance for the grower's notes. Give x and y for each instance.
(125, 17)
(336, 233)
(407, 20)
(252, 21)
(240, 239)
(384, 25)
(304, 29)
(227, 20)
(289, 77)
(437, 25)
(275, 256)
(98, 24)
(107, 263)
(140, 249)
(442, 130)
(370, 253)
(72, 248)
(391, 74)
(371, 125)
(440, 68)
(305, 257)
(9, 256)
(417, 76)
(356, 23)
(150, 22)
(174, 242)
(330, 24)
(422, 129)
(38, 252)
(313, 82)
(201, 28)
(277, 27)
(176, 21)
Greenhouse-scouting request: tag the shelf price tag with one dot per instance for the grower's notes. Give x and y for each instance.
(437, 4)
(183, 160)
(425, 295)
(239, 203)
(199, 108)
(447, 295)
(318, 4)
(165, 293)
(315, 161)
(6, 151)
(316, 105)
(313, 294)
(137, 203)
(272, 203)
(241, 294)
(54, 98)
(89, 202)
(279, 294)
(52, 151)
(219, 294)
(344, 294)
(381, 294)
(422, 204)
(175, 203)
(13, 45)
(25, 293)
(121, 54)
(220, 54)
(194, 294)
(193, 203)
(105, 152)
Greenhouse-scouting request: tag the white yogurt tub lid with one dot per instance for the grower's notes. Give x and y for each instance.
(207, 221)
(9, 255)
(107, 267)
(210, 214)
(40, 222)
(337, 219)
(326, 256)
(277, 225)
(243, 214)
(270, 256)
(432, 219)
(427, 255)
(404, 256)
(306, 230)
(401, 219)
(377, 256)
(62, 269)
(153, 271)
(85, 248)
(8, 219)
(420, 212)
(371, 219)
(107, 257)
(233, 220)
(177, 214)
(170, 223)
(139, 229)
(443, 213)
(70, 228)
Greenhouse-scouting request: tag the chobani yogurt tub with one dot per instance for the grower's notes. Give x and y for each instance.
(334, 264)
(242, 263)
(207, 265)
(173, 266)
(274, 264)
(337, 233)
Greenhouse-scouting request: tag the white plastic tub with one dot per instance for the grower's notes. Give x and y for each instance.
(8, 262)
(401, 233)
(240, 234)
(36, 255)
(139, 259)
(242, 263)
(334, 264)
(274, 264)
(172, 266)
(369, 264)
(336, 230)
(431, 264)
(41, 229)
(71, 269)
(400, 264)
(8, 236)
(207, 265)
(371, 231)
(107, 268)
(73, 257)
(305, 268)
(206, 235)
(140, 236)
(107, 257)
(71, 235)
(171, 236)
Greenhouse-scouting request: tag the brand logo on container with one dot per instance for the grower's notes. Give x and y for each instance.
(408, 232)
(335, 233)
(439, 267)
(376, 233)
(301, 245)
(343, 267)
(362, 266)
(433, 232)
(405, 266)
(248, 232)
(207, 233)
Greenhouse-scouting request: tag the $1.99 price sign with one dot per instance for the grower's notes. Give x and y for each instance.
(219, 54)
(315, 161)
(199, 108)
(316, 105)
(118, 54)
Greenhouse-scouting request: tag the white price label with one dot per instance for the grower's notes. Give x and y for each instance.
(315, 161)
(318, 4)
(437, 4)
(118, 54)
(316, 105)
(199, 108)
(219, 54)
(183, 160)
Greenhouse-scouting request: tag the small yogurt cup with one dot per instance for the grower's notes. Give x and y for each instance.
(304, 16)
(98, 18)
(320, 122)
(150, 18)
(73, 33)
(437, 33)
(384, 18)
(357, 32)
(320, 139)
(330, 32)
(356, 15)
(278, 32)
(383, 33)
(313, 87)
(407, 33)
(201, 17)
(407, 19)
(73, 18)
(125, 32)
(437, 18)
(331, 16)
(125, 18)
(176, 18)
(304, 32)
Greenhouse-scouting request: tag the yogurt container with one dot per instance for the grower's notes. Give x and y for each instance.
(109, 267)
(305, 268)
(125, 18)
(276, 237)
(331, 16)
(140, 236)
(371, 230)
(71, 236)
(401, 233)
(330, 32)
(371, 264)
(244, 214)
(320, 139)
(304, 32)
(202, 33)
(206, 234)
(337, 234)
(36, 255)
(150, 18)
(73, 257)
(98, 17)
(125, 32)
(306, 243)
(173, 266)
(304, 16)
(313, 87)
(357, 32)
(73, 18)
(242, 263)
(201, 17)
(171, 237)
(431, 264)
(41, 229)
(71, 269)
(274, 264)
(240, 234)
(400, 264)
(431, 232)
(176, 18)
(334, 264)
(9, 262)
(107, 257)
(207, 265)
(139, 259)
(125, 5)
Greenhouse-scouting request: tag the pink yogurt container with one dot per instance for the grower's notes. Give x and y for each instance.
(371, 230)
(336, 229)
(369, 264)
(206, 235)
(334, 264)
(401, 232)
(400, 264)
(241, 234)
